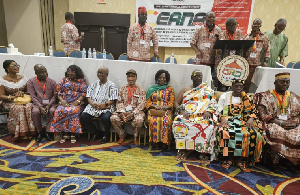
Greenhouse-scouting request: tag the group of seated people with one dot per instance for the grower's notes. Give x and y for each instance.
(234, 129)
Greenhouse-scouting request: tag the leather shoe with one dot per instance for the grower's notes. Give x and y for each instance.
(121, 140)
(104, 140)
(48, 137)
(93, 137)
(39, 137)
(136, 141)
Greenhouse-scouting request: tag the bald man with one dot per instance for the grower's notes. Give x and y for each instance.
(101, 95)
(42, 91)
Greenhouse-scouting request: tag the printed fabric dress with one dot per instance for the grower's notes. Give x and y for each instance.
(285, 142)
(196, 133)
(19, 121)
(66, 119)
(238, 140)
(160, 128)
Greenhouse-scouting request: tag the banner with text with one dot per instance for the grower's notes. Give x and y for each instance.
(175, 21)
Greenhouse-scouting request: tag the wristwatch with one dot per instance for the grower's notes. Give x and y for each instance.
(106, 104)
(78, 101)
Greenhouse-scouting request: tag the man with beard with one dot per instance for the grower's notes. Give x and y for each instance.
(139, 37)
(253, 54)
(42, 91)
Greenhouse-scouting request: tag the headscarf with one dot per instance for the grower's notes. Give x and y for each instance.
(154, 88)
(282, 75)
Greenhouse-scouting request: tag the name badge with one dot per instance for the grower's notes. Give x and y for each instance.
(45, 101)
(283, 117)
(252, 55)
(142, 42)
(128, 108)
(207, 45)
(232, 52)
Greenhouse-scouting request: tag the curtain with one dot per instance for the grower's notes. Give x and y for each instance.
(47, 25)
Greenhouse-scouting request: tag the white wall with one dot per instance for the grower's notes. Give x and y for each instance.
(23, 25)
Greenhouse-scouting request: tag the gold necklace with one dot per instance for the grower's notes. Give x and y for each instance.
(230, 109)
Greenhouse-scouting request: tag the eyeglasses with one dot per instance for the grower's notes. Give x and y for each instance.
(15, 65)
(101, 72)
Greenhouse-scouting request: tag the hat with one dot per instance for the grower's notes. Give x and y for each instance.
(282, 75)
(234, 81)
(131, 71)
(142, 9)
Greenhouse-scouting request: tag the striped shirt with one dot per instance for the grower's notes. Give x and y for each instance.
(101, 94)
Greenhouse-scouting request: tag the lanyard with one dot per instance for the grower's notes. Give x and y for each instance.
(43, 87)
(280, 101)
(254, 45)
(231, 37)
(130, 94)
(142, 30)
(209, 36)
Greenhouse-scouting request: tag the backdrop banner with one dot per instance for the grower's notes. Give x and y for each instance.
(175, 21)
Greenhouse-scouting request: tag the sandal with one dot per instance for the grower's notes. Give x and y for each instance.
(226, 164)
(73, 139)
(243, 167)
(63, 139)
(181, 155)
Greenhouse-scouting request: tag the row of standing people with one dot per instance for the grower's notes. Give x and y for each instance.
(267, 48)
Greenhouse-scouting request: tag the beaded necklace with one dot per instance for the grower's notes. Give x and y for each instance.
(281, 104)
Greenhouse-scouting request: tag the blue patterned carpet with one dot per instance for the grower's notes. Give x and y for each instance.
(81, 168)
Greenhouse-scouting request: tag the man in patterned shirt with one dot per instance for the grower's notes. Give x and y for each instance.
(253, 54)
(204, 40)
(231, 33)
(69, 34)
(130, 105)
(139, 37)
(101, 96)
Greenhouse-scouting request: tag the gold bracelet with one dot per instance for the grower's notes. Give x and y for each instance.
(78, 101)
(9, 98)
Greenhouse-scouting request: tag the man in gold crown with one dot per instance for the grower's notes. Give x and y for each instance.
(239, 133)
(280, 111)
(193, 125)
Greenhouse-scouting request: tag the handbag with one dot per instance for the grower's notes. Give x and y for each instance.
(23, 100)
(159, 113)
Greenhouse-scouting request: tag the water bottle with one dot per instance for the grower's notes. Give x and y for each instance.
(172, 59)
(83, 53)
(90, 53)
(50, 51)
(94, 54)
(104, 54)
